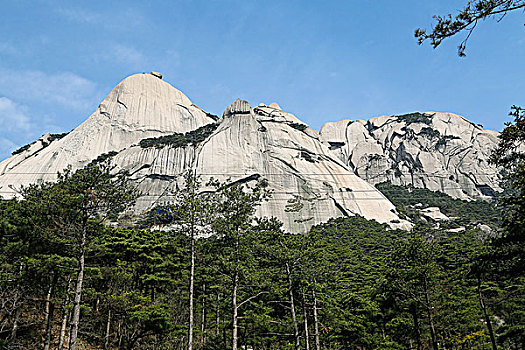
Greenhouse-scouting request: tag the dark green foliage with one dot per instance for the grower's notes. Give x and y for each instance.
(430, 132)
(52, 137)
(359, 283)
(307, 156)
(443, 140)
(412, 118)
(299, 126)
(467, 212)
(466, 20)
(510, 155)
(103, 157)
(213, 116)
(22, 149)
(177, 140)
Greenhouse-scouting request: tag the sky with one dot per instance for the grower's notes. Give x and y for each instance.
(321, 60)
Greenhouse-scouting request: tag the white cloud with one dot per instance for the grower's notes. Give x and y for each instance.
(13, 117)
(15, 125)
(6, 147)
(64, 88)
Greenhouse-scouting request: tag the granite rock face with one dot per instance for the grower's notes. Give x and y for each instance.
(309, 183)
(140, 106)
(313, 175)
(438, 151)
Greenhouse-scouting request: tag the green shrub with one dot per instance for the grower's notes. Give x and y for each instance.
(307, 156)
(443, 140)
(103, 157)
(22, 149)
(430, 133)
(177, 140)
(52, 137)
(416, 117)
(298, 126)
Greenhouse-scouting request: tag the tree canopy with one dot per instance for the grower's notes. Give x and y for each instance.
(466, 20)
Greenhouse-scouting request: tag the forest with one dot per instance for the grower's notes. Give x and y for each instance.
(79, 270)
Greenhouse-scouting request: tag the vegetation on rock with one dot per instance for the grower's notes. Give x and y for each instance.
(466, 212)
(412, 118)
(52, 137)
(177, 140)
(299, 126)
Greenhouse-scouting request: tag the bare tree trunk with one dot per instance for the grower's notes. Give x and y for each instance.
(119, 333)
(218, 314)
(305, 316)
(18, 303)
(235, 329)
(65, 317)
(49, 311)
(49, 326)
(14, 330)
(234, 310)
(63, 329)
(48, 302)
(108, 329)
(78, 292)
(487, 317)
(192, 278)
(430, 318)
(316, 323)
(203, 319)
(292, 307)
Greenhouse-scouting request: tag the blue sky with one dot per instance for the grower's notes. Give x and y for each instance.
(321, 60)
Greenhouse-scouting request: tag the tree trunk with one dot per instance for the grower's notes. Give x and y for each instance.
(203, 319)
(316, 323)
(65, 317)
(49, 326)
(487, 317)
(49, 311)
(292, 307)
(234, 310)
(413, 311)
(14, 329)
(108, 329)
(192, 278)
(218, 315)
(235, 330)
(63, 329)
(18, 303)
(430, 318)
(305, 316)
(78, 292)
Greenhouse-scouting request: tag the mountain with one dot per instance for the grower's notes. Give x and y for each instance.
(437, 151)
(141, 106)
(153, 130)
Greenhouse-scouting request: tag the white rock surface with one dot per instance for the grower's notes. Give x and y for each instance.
(439, 151)
(140, 106)
(309, 184)
(434, 213)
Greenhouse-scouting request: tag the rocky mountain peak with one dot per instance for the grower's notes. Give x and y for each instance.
(439, 151)
(151, 129)
(237, 107)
